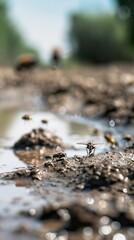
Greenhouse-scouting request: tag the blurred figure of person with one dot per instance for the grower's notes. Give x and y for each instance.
(25, 62)
(56, 57)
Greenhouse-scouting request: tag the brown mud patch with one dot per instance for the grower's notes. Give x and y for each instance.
(95, 92)
(82, 197)
(90, 196)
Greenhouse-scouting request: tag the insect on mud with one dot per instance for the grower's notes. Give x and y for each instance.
(27, 117)
(90, 148)
(25, 62)
(44, 121)
(110, 139)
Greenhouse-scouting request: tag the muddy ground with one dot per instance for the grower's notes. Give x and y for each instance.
(78, 197)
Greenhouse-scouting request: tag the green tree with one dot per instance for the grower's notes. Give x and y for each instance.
(97, 39)
(130, 5)
(11, 41)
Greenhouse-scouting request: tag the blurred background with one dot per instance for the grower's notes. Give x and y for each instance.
(89, 31)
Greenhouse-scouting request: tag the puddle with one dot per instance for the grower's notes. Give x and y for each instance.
(16, 197)
(72, 129)
(16, 194)
(15, 200)
(21, 198)
(8, 161)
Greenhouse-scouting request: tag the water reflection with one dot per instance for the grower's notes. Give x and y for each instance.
(72, 129)
(79, 128)
(16, 194)
(6, 120)
(8, 161)
(13, 127)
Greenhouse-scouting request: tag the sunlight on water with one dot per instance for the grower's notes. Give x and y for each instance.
(72, 129)
(8, 161)
(20, 198)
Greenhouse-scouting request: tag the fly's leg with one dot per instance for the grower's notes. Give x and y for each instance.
(93, 151)
(88, 153)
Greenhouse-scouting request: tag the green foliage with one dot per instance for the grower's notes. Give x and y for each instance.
(11, 41)
(130, 21)
(128, 3)
(98, 39)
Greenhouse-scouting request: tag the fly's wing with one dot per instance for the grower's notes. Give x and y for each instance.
(82, 143)
(97, 143)
(94, 143)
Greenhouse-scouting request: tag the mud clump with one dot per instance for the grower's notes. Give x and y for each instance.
(32, 173)
(37, 139)
(103, 172)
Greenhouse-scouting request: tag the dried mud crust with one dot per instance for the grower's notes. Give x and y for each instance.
(85, 195)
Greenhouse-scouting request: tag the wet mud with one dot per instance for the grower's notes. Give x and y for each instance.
(88, 195)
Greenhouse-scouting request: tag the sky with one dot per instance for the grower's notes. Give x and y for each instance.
(44, 23)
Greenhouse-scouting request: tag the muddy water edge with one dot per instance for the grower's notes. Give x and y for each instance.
(51, 188)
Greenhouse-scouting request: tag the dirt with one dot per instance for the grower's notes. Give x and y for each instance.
(39, 138)
(83, 197)
(103, 93)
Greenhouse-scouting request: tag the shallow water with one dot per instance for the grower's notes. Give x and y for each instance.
(18, 196)
(72, 129)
